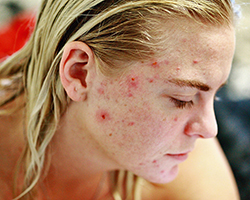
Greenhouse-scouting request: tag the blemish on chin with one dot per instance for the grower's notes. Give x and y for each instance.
(102, 116)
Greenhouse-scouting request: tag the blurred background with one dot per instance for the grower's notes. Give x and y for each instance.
(17, 18)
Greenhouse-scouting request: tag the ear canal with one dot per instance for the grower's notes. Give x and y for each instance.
(77, 71)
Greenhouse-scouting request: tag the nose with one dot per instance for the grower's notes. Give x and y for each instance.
(202, 123)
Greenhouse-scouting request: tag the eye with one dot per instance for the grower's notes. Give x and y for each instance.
(182, 104)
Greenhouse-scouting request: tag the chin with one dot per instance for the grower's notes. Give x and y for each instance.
(161, 177)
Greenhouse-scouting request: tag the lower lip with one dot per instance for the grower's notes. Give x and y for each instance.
(180, 157)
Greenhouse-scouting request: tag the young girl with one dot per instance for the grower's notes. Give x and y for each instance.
(108, 97)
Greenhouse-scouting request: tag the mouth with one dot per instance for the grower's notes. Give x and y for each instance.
(180, 157)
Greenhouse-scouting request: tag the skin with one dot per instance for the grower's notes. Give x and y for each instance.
(146, 120)
(137, 120)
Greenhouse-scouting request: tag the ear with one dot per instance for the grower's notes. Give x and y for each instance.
(75, 67)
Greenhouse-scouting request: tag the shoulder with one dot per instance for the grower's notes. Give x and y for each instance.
(205, 175)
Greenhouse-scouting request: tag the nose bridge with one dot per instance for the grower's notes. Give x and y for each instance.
(203, 123)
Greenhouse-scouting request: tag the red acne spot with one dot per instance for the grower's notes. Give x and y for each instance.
(155, 65)
(102, 115)
(162, 171)
(110, 134)
(195, 61)
(157, 76)
(141, 163)
(131, 123)
(175, 119)
(100, 91)
(178, 69)
(155, 161)
(150, 80)
(166, 62)
(130, 95)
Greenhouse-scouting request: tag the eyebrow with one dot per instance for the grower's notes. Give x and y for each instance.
(190, 83)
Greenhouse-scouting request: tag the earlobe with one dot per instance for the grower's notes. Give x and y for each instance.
(76, 64)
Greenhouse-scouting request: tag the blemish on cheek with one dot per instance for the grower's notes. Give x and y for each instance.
(164, 119)
(184, 40)
(110, 134)
(100, 91)
(195, 61)
(155, 161)
(141, 164)
(162, 171)
(175, 119)
(131, 123)
(150, 80)
(155, 65)
(102, 116)
(178, 69)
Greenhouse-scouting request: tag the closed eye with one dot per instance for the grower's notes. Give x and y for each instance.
(181, 104)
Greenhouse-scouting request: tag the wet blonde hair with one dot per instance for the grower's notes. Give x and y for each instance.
(116, 31)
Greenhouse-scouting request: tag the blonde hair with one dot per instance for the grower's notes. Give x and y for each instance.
(116, 31)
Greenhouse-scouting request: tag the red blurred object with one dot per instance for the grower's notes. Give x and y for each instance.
(14, 35)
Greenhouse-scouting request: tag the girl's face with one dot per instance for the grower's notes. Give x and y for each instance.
(148, 120)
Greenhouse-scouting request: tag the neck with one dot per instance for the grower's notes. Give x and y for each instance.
(78, 166)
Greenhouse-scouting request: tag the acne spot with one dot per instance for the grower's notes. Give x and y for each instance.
(184, 40)
(110, 134)
(178, 69)
(175, 119)
(100, 91)
(130, 94)
(102, 116)
(195, 61)
(155, 161)
(131, 123)
(150, 80)
(155, 65)
(162, 171)
(166, 62)
(141, 164)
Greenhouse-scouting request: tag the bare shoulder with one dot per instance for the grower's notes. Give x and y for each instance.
(205, 175)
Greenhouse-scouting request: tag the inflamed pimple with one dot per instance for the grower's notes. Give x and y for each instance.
(155, 161)
(102, 115)
(100, 91)
(195, 61)
(131, 123)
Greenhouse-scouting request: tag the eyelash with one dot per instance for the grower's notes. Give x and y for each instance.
(182, 104)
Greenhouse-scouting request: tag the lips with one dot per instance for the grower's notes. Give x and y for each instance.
(180, 157)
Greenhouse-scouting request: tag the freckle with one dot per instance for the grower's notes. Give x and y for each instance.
(110, 134)
(125, 104)
(164, 119)
(131, 123)
(162, 171)
(155, 161)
